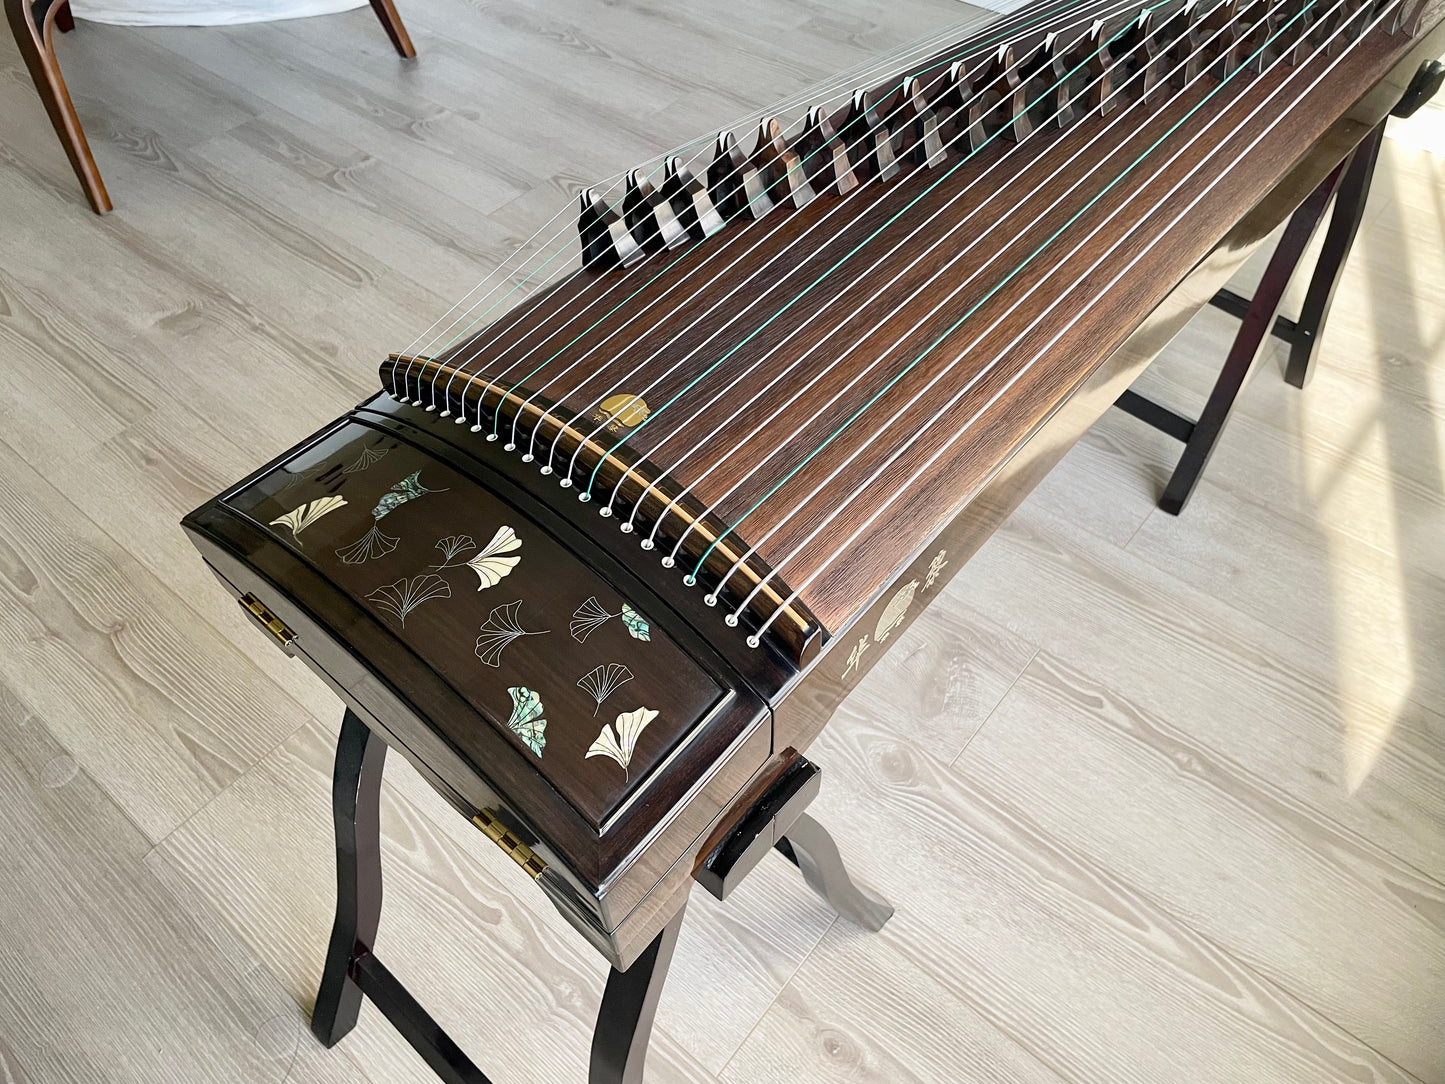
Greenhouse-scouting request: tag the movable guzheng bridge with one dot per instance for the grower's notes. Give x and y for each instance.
(624, 527)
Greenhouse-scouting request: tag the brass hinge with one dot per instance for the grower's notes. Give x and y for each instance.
(506, 839)
(272, 624)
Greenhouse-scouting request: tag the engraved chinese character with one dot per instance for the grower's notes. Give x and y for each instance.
(856, 657)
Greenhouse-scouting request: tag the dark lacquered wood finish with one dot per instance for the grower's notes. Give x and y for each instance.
(824, 414)
(1146, 275)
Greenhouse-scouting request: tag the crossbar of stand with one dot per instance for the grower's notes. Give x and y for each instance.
(774, 820)
(1348, 185)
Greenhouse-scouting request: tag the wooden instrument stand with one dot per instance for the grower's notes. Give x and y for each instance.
(34, 23)
(624, 1022)
(1349, 186)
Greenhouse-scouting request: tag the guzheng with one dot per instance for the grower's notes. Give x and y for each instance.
(620, 531)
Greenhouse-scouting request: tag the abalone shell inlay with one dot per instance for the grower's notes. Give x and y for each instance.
(445, 569)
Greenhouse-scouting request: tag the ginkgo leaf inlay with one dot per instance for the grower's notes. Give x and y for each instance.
(368, 457)
(587, 617)
(526, 721)
(601, 683)
(491, 564)
(502, 627)
(405, 595)
(298, 519)
(620, 745)
(372, 544)
(452, 547)
(408, 489)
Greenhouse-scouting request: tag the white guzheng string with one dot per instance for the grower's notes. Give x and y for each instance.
(705, 288)
(828, 86)
(714, 254)
(797, 264)
(1298, 70)
(864, 69)
(823, 372)
(878, 67)
(953, 229)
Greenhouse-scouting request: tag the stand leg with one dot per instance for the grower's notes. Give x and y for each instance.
(391, 22)
(32, 24)
(1354, 190)
(356, 806)
(64, 20)
(624, 1023)
(1245, 351)
(809, 847)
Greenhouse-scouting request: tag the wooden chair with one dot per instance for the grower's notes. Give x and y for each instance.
(34, 24)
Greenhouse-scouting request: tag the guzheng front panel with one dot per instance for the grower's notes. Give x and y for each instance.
(583, 684)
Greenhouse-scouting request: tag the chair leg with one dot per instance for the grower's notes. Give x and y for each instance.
(1339, 238)
(629, 1004)
(395, 29)
(808, 846)
(356, 807)
(32, 25)
(1246, 349)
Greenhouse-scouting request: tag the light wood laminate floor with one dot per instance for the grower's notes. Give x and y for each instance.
(1158, 800)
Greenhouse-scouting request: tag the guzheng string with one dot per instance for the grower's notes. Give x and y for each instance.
(759, 328)
(808, 95)
(703, 290)
(714, 254)
(1320, 49)
(863, 70)
(863, 306)
(953, 228)
(825, 87)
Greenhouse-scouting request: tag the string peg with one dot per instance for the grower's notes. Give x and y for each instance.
(869, 141)
(1221, 31)
(1180, 42)
(606, 241)
(734, 183)
(648, 216)
(1003, 104)
(689, 200)
(950, 104)
(1138, 49)
(825, 156)
(1252, 50)
(1046, 85)
(780, 167)
(918, 124)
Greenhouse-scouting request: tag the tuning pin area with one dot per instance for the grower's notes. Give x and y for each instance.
(916, 124)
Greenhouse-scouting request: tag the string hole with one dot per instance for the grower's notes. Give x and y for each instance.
(509, 447)
(626, 528)
(731, 621)
(478, 429)
(667, 562)
(604, 512)
(584, 497)
(566, 483)
(647, 543)
(689, 580)
(711, 600)
(430, 408)
(753, 641)
(462, 421)
(445, 414)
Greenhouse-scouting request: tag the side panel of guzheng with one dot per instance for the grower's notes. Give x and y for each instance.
(855, 649)
(526, 673)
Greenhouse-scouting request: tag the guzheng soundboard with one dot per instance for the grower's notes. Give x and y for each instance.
(613, 541)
